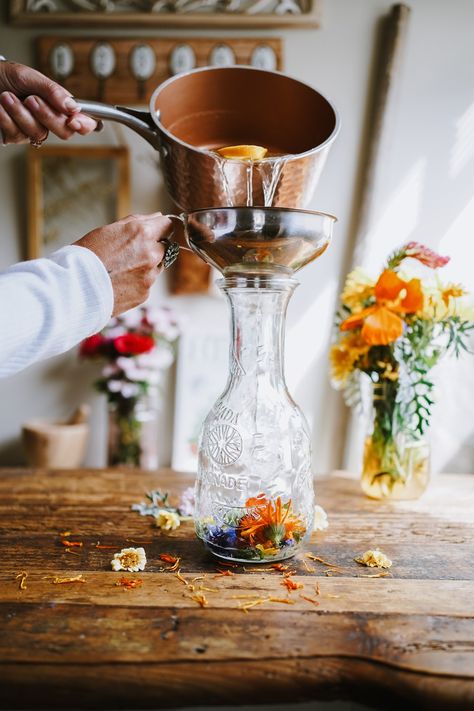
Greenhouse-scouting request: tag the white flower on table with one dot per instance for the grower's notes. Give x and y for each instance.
(167, 520)
(374, 559)
(320, 519)
(131, 559)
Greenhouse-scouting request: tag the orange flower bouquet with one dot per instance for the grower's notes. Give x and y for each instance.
(392, 332)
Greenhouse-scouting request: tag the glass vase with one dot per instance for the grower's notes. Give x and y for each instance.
(395, 459)
(133, 430)
(254, 492)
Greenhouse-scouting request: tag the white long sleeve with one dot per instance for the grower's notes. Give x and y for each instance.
(49, 305)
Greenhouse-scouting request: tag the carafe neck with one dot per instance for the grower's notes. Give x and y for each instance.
(258, 313)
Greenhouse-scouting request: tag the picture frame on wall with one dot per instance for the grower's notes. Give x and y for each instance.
(167, 13)
(73, 190)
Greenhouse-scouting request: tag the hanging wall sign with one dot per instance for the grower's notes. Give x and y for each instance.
(166, 13)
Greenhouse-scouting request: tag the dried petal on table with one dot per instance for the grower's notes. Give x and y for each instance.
(245, 607)
(129, 583)
(180, 578)
(312, 600)
(200, 598)
(283, 600)
(291, 584)
(385, 574)
(75, 579)
(280, 567)
(22, 577)
(374, 559)
(72, 544)
(130, 559)
(167, 520)
(168, 558)
(321, 560)
(320, 519)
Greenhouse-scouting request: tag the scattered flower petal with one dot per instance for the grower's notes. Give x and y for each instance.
(22, 577)
(374, 559)
(129, 583)
(130, 559)
(167, 520)
(320, 519)
(75, 579)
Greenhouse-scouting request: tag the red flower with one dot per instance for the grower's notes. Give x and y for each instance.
(133, 344)
(93, 346)
(426, 256)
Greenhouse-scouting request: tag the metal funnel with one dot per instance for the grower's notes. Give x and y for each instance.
(258, 240)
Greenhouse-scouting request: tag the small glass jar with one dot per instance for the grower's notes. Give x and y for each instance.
(133, 430)
(254, 494)
(395, 460)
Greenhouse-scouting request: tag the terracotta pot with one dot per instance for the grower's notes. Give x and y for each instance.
(194, 113)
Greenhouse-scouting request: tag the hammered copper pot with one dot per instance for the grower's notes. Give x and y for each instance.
(193, 113)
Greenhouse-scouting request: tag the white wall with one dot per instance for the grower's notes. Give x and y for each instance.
(425, 193)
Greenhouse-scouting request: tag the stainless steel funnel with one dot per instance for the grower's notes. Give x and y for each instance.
(252, 240)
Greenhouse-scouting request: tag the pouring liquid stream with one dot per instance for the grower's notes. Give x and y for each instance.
(257, 252)
(265, 171)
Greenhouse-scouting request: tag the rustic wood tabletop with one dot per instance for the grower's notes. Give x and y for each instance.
(407, 638)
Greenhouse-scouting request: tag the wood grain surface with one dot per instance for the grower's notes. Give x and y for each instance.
(407, 638)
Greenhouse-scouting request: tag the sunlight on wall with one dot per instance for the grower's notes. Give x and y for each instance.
(397, 220)
(463, 149)
(458, 243)
(308, 337)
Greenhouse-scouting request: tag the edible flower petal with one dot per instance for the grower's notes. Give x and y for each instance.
(167, 520)
(320, 519)
(374, 559)
(130, 559)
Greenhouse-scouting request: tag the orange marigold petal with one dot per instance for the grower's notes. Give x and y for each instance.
(382, 327)
(388, 286)
(413, 300)
(357, 319)
(260, 500)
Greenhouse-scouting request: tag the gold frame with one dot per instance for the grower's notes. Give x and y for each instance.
(18, 15)
(35, 223)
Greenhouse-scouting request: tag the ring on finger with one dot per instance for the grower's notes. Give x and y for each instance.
(38, 142)
(171, 253)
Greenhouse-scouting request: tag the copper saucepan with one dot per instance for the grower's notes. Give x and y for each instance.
(194, 113)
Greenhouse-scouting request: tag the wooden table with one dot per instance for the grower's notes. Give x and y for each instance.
(394, 641)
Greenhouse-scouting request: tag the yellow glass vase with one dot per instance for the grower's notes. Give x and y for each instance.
(396, 462)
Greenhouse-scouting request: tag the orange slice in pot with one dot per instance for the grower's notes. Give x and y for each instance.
(243, 152)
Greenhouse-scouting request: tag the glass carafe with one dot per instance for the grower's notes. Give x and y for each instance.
(254, 496)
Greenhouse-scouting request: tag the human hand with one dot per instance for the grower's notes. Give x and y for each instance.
(131, 251)
(31, 105)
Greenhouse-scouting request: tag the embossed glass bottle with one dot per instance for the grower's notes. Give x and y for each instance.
(254, 495)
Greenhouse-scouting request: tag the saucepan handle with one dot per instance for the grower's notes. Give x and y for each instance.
(139, 121)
